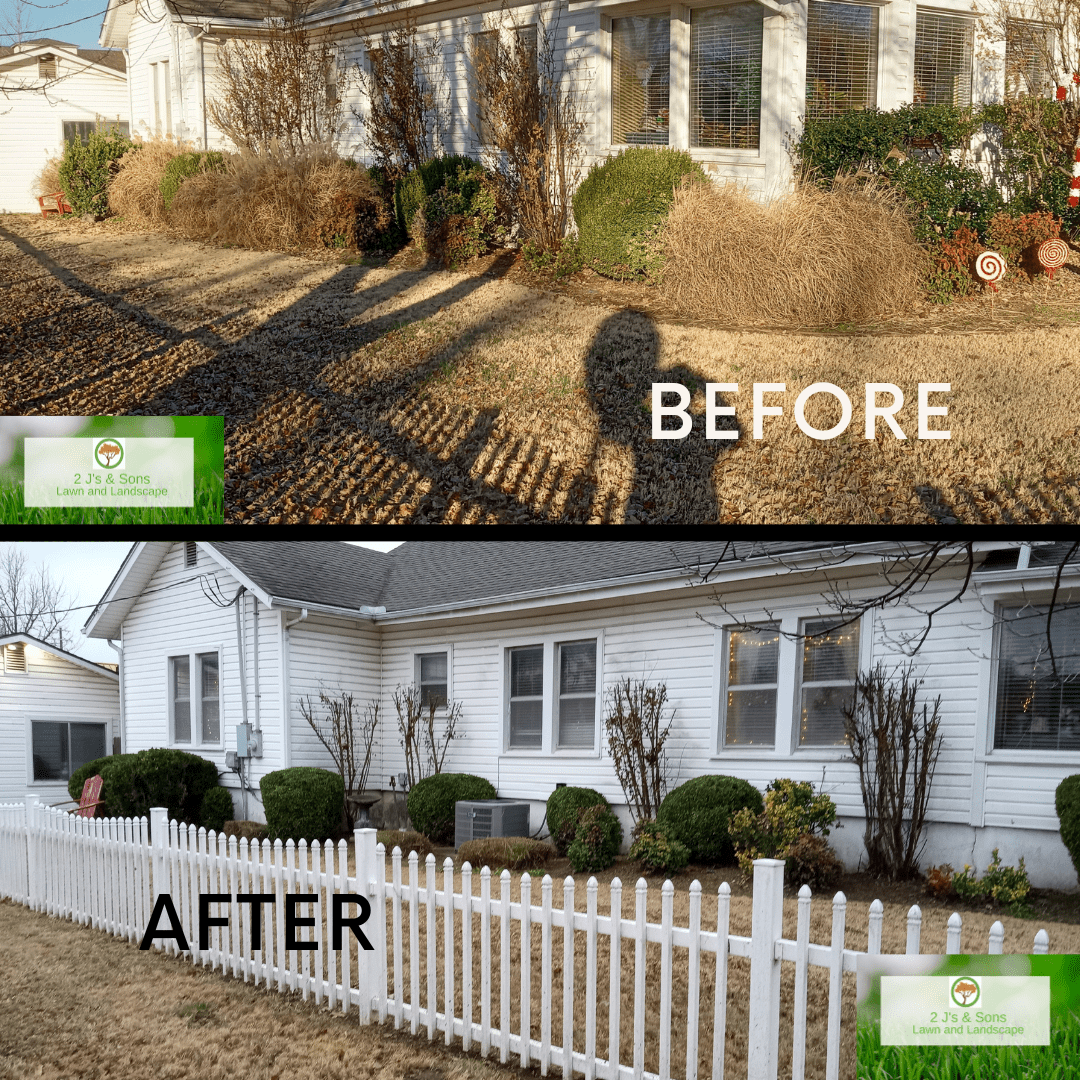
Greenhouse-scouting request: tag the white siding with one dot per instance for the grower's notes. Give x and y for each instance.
(51, 689)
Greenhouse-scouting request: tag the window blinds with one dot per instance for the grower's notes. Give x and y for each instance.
(640, 70)
(943, 49)
(725, 76)
(841, 58)
(1029, 54)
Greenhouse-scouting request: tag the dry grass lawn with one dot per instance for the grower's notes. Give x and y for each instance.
(393, 394)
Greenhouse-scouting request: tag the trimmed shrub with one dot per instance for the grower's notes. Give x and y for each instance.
(1067, 804)
(596, 841)
(811, 861)
(620, 208)
(303, 803)
(505, 852)
(407, 840)
(697, 814)
(185, 165)
(655, 851)
(91, 768)
(939, 880)
(85, 171)
(461, 219)
(132, 783)
(562, 813)
(412, 191)
(1016, 238)
(1006, 885)
(952, 269)
(216, 809)
(431, 802)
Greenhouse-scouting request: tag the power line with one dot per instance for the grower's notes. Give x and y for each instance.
(74, 22)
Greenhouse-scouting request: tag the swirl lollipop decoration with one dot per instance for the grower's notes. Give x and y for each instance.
(1053, 254)
(990, 267)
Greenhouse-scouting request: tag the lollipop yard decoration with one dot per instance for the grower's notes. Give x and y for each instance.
(990, 267)
(1053, 254)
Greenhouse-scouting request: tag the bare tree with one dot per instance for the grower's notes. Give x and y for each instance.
(638, 725)
(425, 748)
(30, 601)
(284, 87)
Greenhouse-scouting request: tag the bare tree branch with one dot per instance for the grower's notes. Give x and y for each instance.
(30, 601)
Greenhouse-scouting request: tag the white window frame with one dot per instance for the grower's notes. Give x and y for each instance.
(799, 684)
(723, 745)
(549, 711)
(434, 650)
(31, 720)
(193, 655)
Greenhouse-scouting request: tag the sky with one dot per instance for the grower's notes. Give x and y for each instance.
(85, 569)
(43, 20)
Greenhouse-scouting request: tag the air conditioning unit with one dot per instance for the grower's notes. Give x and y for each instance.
(489, 817)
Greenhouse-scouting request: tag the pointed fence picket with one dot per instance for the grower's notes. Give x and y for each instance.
(271, 914)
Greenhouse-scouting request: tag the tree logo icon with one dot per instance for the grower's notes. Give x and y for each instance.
(108, 453)
(965, 991)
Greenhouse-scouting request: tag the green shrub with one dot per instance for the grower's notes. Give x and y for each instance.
(303, 803)
(91, 768)
(412, 191)
(697, 814)
(505, 852)
(216, 809)
(620, 208)
(562, 813)
(85, 170)
(791, 811)
(133, 783)
(1067, 804)
(460, 220)
(431, 802)
(185, 165)
(596, 841)
(655, 851)
(407, 840)
(1006, 885)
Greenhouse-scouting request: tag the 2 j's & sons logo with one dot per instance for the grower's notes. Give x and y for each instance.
(108, 453)
(965, 991)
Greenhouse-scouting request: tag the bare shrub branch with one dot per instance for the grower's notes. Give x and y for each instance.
(636, 736)
(425, 748)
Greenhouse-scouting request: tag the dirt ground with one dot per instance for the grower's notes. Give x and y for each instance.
(78, 1003)
(360, 391)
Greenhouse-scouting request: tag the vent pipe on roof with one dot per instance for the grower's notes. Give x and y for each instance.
(1023, 557)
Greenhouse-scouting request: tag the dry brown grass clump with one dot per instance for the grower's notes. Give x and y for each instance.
(811, 258)
(511, 852)
(407, 840)
(277, 200)
(135, 191)
(47, 182)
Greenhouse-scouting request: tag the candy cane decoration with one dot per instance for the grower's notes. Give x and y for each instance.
(991, 267)
(1074, 189)
(1053, 254)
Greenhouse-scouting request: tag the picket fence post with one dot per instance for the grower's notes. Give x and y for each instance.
(768, 924)
(159, 841)
(32, 862)
(365, 840)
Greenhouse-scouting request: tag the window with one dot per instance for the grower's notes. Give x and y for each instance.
(640, 77)
(46, 67)
(1038, 695)
(431, 676)
(197, 713)
(552, 694)
(830, 660)
(749, 708)
(59, 748)
(485, 52)
(80, 130)
(15, 658)
(841, 58)
(725, 76)
(1029, 58)
(577, 694)
(943, 50)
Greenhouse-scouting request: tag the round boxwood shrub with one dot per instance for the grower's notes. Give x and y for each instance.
(216, 809)
(303, 803)
(1067, 804)
(431, 802)
(562, 813)
(621, 206)
(655, 851)
(596, 841)
(697, 813)
(132, 783)
(184, 165)
(91, 768)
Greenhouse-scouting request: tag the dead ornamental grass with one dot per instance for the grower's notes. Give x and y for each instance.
(47, 181)
(135, 191)
(810, 258)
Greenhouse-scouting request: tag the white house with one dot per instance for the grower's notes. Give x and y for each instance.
(498, 627)
(52, 92)
(731, 83)
(57, 712)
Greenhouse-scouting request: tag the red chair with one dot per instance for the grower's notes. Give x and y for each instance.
(91, 798)
(59, 205)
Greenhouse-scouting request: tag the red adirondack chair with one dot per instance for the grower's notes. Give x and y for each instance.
(91, 797)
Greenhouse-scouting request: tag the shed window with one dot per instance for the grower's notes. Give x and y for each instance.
(1038, 680)
(943, 50)
(750, 703)
(61, 747)
(830, 664)
(81, 130)
(841, 58)
(640, 78)
(725, 76)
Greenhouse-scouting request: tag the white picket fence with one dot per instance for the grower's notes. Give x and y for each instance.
(106, 873)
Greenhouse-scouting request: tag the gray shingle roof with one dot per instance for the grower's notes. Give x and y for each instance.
(110, 58)
(428, 573)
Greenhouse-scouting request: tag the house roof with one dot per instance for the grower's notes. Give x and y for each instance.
(110, 58)
(27, 639)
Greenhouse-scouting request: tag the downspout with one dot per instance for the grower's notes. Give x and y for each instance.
(199, 35)
(179, 77)
(242, 663)
(131, 107)
(286, 744)
(255, 667)
(119, 650)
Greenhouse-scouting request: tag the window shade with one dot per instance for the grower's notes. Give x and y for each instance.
(830, 664)
(943, 51)
(1038, 700)
(577, 694)
(725, 76)
(841, 58)
(640, 71)
(211, 721)
(181, 699)
(750, 716)
(526, 696)
(1029, 52)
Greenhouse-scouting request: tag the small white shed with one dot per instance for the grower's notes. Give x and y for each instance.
(57, 712)
(50, 92)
